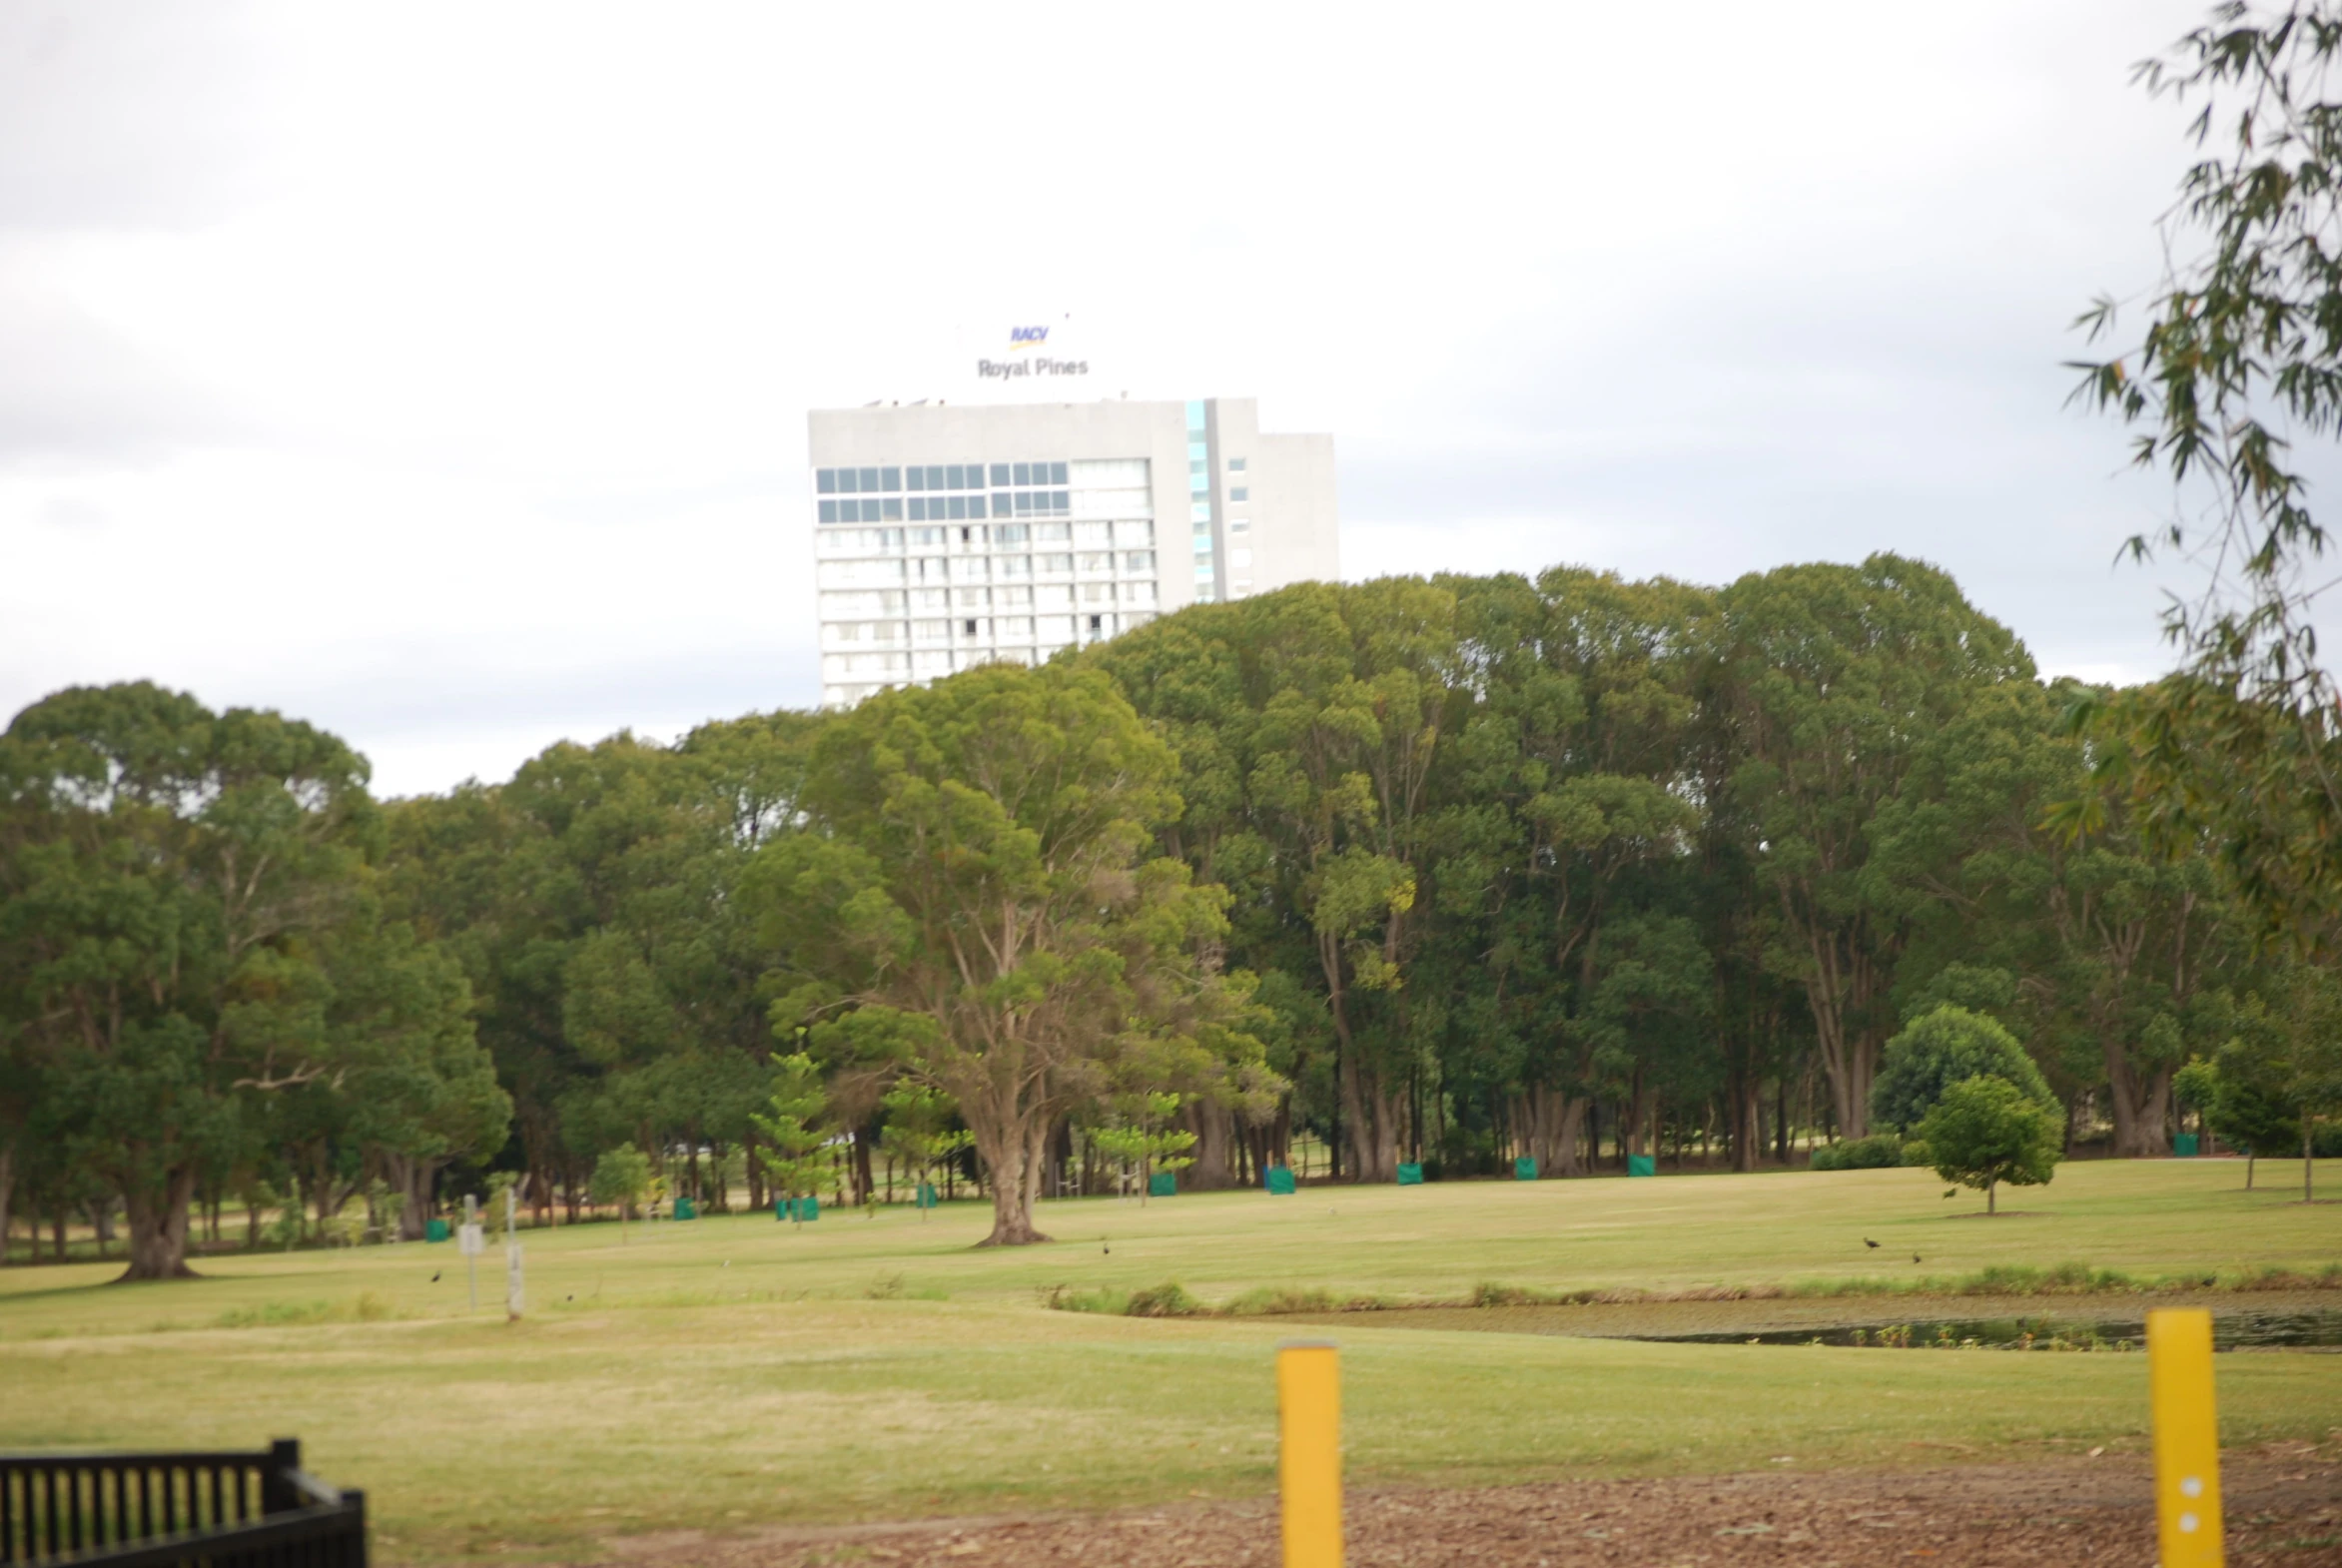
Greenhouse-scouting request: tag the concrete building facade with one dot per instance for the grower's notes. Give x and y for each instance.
(950, 536)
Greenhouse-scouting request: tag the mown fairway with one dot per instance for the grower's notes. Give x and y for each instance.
(737, 1371)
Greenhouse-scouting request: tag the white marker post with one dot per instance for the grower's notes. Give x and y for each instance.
(512, 1301)
(470, 1242)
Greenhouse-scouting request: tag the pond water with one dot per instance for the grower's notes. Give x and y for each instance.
(2238, 1331)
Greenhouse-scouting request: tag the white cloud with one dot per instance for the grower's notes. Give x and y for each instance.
(440, 373)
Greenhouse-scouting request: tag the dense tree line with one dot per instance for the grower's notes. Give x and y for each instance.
(1450, 870)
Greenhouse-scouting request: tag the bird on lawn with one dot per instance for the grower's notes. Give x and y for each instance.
(1105, 1246)
(434, 1280)
(1914, 1258)
(1867, 1242)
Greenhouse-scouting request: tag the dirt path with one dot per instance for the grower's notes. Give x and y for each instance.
(2284, 1508)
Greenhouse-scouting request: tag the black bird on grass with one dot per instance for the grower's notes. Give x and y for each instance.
(1867, 1242)
(434, 1280)
(1914, 1258)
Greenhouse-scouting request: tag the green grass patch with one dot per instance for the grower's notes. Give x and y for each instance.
(733, 1372)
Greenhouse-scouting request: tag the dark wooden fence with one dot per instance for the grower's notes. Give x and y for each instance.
(164, 1510)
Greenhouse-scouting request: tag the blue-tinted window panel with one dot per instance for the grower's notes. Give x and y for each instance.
(890, 479)
(868, 481)
(1062, 501)
(829, 511)
(1195, 416)
(893, 512)
(935, 476)
(917, 509)
(952, 476)
(975, 506)
(846, 484)
(1022, 473)
(1057, 474)
(915, 478)
(1239, 494)
(826, 481)
(1000, 504)
(1000, 475)
(1201, 511)
(959, 506)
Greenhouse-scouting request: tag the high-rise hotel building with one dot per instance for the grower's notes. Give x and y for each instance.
(946, 535)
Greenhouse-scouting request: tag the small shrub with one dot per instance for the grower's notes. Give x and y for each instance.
(1163, 1300)
(1916, 1154)
(1107, 1303)
(1490, 1293)
(1876, 1153)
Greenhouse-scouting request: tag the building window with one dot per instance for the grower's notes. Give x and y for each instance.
(1235, 465)
(968, 628)
(829, 509)
(1097, 624)
(826, 481)
(1240, 493)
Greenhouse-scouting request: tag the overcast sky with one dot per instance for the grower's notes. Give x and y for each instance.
(439, 373)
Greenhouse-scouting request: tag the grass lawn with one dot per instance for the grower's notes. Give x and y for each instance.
(735, 1371)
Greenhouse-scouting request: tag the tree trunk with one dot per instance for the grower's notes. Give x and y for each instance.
(2307, 1123)
(1555, 1124)
(2140, 1104)
(7, 1187)
(1005, 1152)
(158, 1227)
(2249, 1157)
(1992, 1196)
(1215, 1128)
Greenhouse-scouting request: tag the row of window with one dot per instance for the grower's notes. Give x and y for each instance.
(1006, 537)
(842, 609)
(1050, 631)
(968, 628)
(980, 569)
(940, 509)
(937, 477)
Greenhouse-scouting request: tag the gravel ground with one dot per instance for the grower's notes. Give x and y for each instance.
(2285, 1507)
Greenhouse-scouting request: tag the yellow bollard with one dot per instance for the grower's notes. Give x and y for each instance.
(2187, 1437)
(1308, 1454)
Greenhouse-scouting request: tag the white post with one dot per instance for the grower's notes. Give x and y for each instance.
(469, 1240)
(512, 1296)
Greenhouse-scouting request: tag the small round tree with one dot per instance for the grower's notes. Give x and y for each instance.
(621, 1176)
(1985, 1130)
(1943, 1047)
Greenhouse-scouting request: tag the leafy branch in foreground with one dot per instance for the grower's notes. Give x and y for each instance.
(2240, 357)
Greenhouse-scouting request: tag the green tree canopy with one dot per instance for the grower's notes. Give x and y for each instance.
(170, 878)
(976, 902)
(1985, 1130)
(1947, 1045)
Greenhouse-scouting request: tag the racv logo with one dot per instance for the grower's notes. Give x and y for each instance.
(1024, 338)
